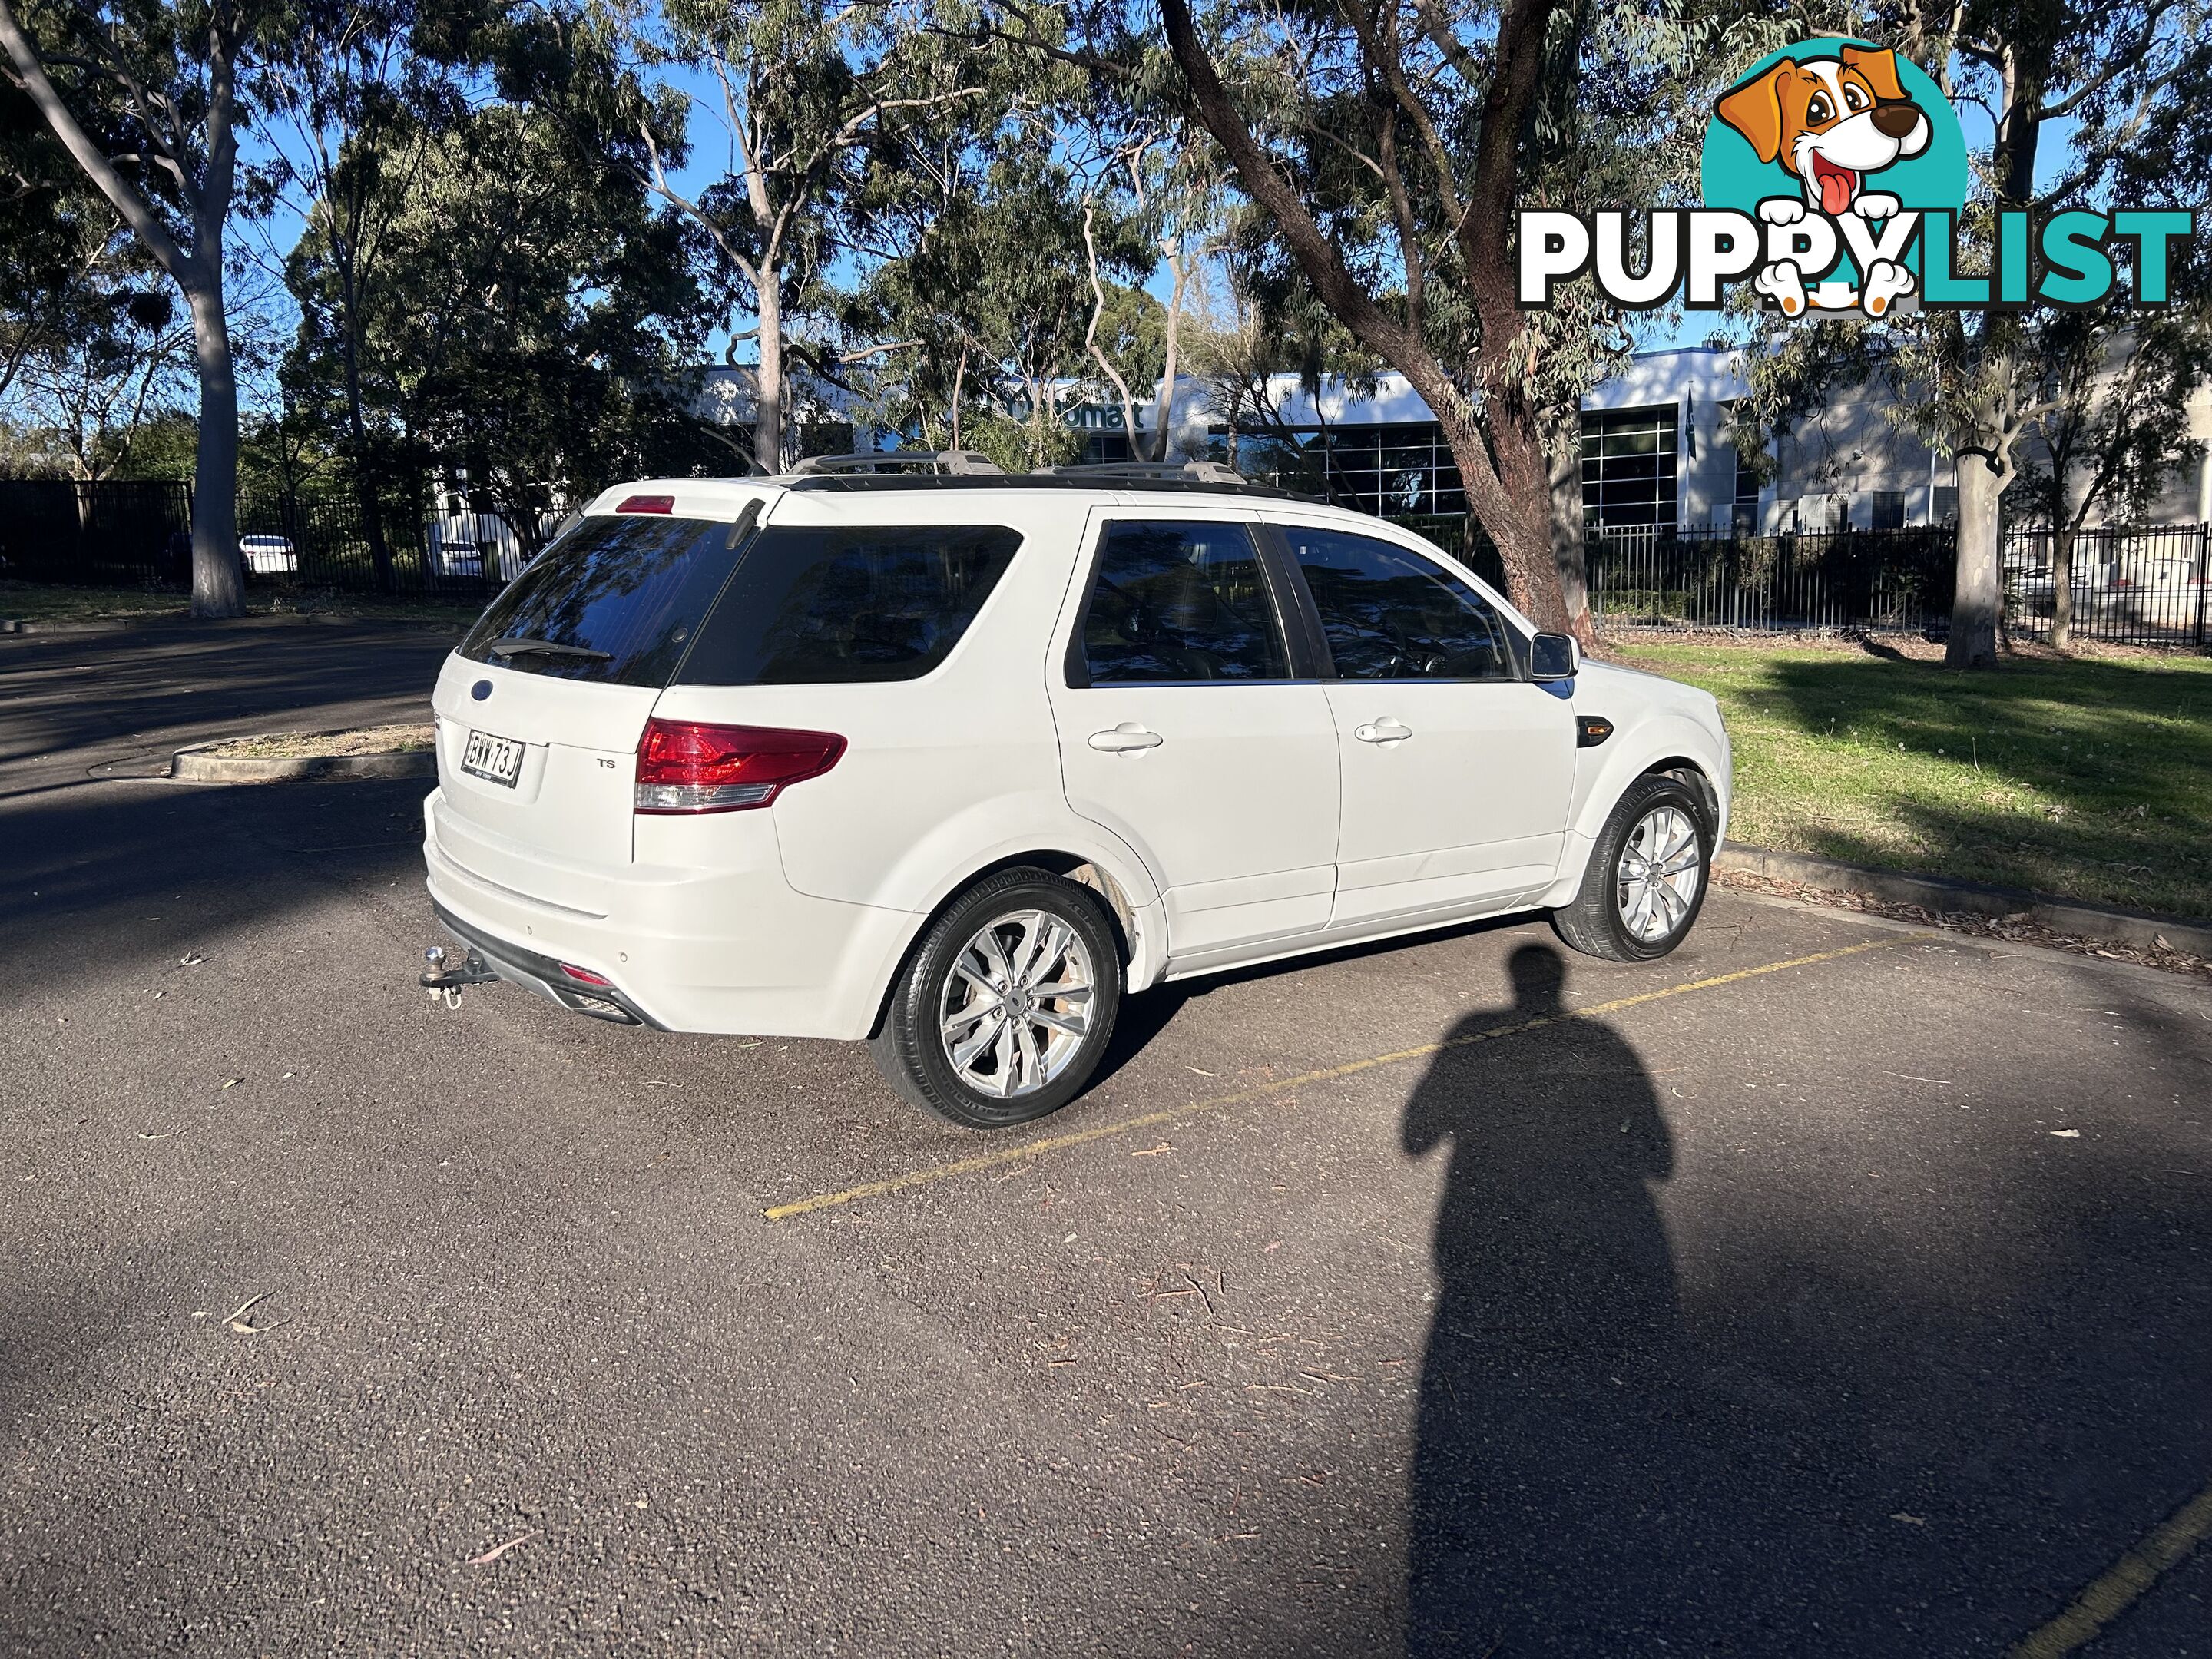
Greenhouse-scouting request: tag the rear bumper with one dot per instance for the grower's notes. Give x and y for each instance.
(543, 975)
(730, 950)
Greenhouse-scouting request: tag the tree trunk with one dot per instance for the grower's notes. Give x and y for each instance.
(217, 587)
(1563, 449)
(1524, 540)
(2062, 587)
(1980, 591)
(364, 479)
(768, 412)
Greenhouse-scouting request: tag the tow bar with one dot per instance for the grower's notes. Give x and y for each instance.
(442, 980)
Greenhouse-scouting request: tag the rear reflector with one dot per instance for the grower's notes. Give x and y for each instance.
(585, 975)
(686, 766)
(646, 504)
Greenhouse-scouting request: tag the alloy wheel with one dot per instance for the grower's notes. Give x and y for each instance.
(1015, 1006)
(1656, 880)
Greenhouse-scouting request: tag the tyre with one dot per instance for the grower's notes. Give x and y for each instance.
(1006, 1006)
(1647, 875)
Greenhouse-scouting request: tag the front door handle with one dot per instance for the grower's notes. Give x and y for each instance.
(1125, 738)
(1385, 730)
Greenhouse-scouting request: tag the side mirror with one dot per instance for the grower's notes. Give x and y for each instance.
(1554, 657)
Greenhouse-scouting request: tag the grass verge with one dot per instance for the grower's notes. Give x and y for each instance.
(42, 601)
(303, 745)
(2089, 778)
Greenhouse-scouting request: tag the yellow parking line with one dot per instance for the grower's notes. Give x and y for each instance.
(1175, 1113)
(2168, 1545)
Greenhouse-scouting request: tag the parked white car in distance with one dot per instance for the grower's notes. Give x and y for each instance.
(951, 762)
(268, 556)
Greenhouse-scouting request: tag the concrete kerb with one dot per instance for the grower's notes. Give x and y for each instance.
(2135, 927)
(196, 765)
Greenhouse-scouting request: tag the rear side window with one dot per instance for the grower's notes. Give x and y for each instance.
(1390, 615)
(814, 607)
(616, 600)
(1181, 602)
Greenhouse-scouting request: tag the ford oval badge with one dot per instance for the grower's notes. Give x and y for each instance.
(481, 690)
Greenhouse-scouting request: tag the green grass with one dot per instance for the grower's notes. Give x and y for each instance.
(41, 601)
(2090, 779)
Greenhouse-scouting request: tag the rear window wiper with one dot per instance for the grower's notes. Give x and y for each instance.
(520, 646)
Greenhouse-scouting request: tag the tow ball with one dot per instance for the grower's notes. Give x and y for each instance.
(445, 981)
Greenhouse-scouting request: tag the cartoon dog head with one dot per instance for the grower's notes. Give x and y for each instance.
(1829, 121)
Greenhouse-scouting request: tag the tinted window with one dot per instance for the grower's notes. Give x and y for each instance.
(810, 607)
(1391, 616)
(1181, 602)
(630, 586)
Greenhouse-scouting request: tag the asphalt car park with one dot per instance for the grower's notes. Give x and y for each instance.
(1827, 1286)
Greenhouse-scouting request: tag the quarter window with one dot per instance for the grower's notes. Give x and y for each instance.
(819, 607)
(1388, 614)
(1179, 602)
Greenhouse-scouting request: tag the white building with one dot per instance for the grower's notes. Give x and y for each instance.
(1658, 449)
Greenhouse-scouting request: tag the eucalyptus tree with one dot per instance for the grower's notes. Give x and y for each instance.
(529, 317)
(1979, 382)
(93, 390)
(2111, 426)
(980, 306)
(800, 89)
(352, 97)
(60, 244)
(146, 98)
(1388, 144)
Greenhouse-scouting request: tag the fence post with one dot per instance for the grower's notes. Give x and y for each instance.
(2203, 558)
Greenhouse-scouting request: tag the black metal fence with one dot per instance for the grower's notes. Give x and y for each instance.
(1883, 581)
(323, 542)
(135, 534)
(126, 534)
(2143, 586)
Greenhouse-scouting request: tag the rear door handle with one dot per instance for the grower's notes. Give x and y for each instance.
(1385, 730)
(1124, 738)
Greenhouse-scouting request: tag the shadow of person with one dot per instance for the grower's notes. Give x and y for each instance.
(1536, 1487)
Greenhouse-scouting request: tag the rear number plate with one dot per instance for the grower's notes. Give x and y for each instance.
(499, 759)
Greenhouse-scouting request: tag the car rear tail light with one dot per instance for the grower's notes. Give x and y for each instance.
(646, 504)
(686, 766)
(585, 975)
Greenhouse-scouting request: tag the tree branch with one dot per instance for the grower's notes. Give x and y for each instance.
(137, 213)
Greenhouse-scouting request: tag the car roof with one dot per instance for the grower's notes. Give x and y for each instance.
(725, 498)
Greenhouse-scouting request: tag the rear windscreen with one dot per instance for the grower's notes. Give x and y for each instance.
(812, 607)
(614, 599)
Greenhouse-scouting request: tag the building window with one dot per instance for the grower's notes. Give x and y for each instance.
(1946, 504)
(1401, 469)
(1628, 466)
(1886, 510)
(1743, 518)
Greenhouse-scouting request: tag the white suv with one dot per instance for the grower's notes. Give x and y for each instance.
(950, 763)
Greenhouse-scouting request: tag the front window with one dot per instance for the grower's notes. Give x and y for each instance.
(1390, 615)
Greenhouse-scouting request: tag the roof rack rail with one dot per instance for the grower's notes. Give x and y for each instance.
(955, 463)
(1211, 472)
